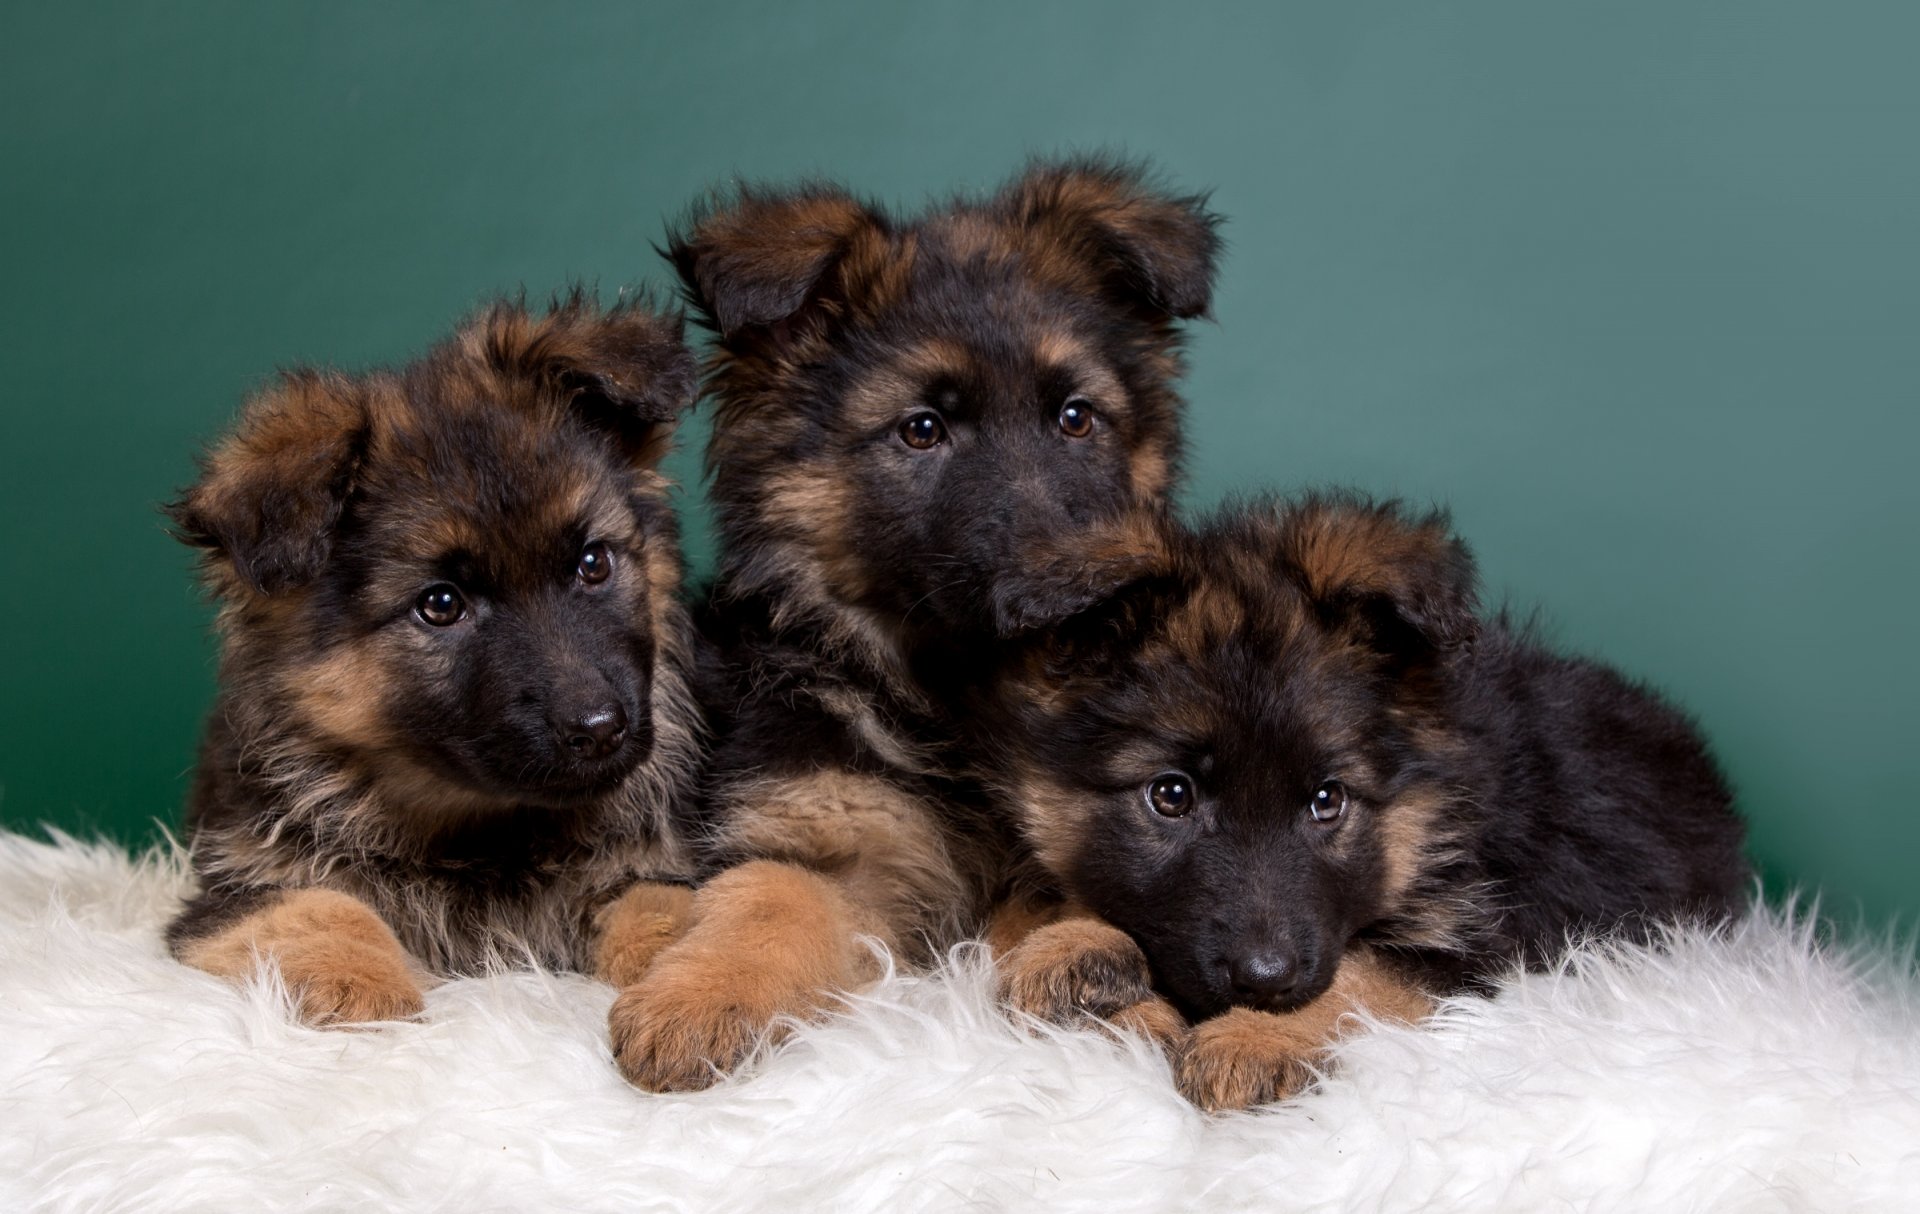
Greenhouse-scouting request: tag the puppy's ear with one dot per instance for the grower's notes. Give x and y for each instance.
(624, 370)
(271, 494)
(761, 257)
(1404, 578)
(1079, 574)
(1155, 248)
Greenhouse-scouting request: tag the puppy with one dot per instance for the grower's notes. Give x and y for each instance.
(1293, 762)
(904, 411)
(455, 720)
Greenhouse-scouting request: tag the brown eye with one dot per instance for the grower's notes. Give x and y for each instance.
(440, 605)
(596, 563)
(921, 431)
(1170, 794)
(1076, 417)
(1329, 801)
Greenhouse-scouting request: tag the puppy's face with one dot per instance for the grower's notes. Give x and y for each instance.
(457, 575)
(1230, 761)
(906, 411)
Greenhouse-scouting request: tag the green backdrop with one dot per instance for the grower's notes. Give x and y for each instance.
(1634, 286)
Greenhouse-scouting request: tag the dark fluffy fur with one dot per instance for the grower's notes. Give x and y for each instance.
(426, 771)
(862, 578)
(1500, 798)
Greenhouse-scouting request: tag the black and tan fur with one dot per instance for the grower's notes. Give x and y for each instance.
(1386, 795)
(381, 798)
(1031, 338)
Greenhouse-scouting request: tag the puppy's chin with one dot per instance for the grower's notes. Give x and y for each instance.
(541, 783)
(576, 785)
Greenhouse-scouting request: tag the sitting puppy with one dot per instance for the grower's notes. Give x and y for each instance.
(454, 721)
(905, 411)
(1293, 763)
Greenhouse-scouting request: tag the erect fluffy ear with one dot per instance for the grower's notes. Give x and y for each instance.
(1159, 249)
(626, 370)
(1406, 577)
(1080, 572)
(758, 257)
(271, 493)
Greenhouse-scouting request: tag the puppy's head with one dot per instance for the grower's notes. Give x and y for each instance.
(457, 576)
(905, 409)
(1232, 757)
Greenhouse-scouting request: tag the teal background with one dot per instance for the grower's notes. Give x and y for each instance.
(1634, 286)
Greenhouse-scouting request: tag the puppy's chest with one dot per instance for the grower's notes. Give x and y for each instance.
(463, 913)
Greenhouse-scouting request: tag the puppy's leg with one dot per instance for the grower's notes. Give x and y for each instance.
(766, 940)
(781, 938)
(1245, 1057)
(631, 930)
(337, 957)
(1066, 966)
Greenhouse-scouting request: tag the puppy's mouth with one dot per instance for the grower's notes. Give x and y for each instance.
(550, 782)
(579, 780)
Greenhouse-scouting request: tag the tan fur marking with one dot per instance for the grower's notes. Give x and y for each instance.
(767, 940)
(1246, 1057)
(1150, 472)
(883, 846)
(636, 926)
(341, 696)
(1343, 550)
(336, 956)
(1050, 818)
(889, 393)
(1409, 830)
(810, 504)
(1209, 615)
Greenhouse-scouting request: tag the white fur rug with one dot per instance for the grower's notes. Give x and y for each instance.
(1759, 1072)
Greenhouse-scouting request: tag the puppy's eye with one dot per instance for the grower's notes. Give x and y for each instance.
(1329, 801)
(922, 430)
(1076, 417)
(1170, 794)
(596, 563)
(440, 605)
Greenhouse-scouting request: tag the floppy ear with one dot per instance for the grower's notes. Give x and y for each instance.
(1079, 574)
(626, 370)
(1156, 248)
(1404, 578)
(758, 258)
(271, 493)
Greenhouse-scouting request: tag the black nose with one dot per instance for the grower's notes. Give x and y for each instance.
(1267, 973)
(595, 733)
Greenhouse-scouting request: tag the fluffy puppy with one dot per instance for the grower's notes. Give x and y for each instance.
(1294, 763)
(905, 411)
(455, 719)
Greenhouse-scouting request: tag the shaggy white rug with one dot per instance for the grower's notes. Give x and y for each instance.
(1758, 1072)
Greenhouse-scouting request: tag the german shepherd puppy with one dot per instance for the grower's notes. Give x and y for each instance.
(1294, 763)
(455, 719)
(904, 411)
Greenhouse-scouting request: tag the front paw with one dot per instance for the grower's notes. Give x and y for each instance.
(636, 927)
(1244, 1058)
(1065, 972)
(346, 983)
(680, 1031)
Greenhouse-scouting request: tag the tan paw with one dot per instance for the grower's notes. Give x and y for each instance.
(681, 1030)
(636, 926)
(350, 983)
(767, 941)
(1244, 1058)
(337, 957)
(1068, 971)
